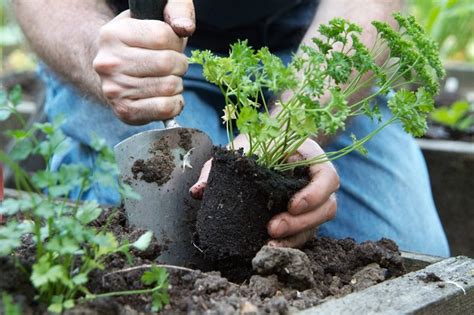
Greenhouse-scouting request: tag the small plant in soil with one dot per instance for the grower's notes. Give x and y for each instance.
(67, 248)
(246, 189)
(458, 116)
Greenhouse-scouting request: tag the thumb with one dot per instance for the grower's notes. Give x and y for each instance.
(197, 190)
(179, 14)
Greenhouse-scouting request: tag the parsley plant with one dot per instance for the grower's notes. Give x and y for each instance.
(67, 247)
(245, 74)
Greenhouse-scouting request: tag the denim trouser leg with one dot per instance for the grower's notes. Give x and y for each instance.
(384, 194)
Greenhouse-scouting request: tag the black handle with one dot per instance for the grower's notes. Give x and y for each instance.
(147, 9)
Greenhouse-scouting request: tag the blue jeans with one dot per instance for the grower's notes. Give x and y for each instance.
(384, 194)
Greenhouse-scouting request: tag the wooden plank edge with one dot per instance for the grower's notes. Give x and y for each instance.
(409, 294)
(416, 261)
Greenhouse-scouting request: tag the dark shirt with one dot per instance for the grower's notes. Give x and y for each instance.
(278, 24)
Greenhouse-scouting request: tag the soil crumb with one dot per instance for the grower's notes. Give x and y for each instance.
(185, 140)
(158, 168)
(430, 277)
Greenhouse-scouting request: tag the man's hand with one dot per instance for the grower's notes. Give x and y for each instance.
(309, 208)
(141, 63)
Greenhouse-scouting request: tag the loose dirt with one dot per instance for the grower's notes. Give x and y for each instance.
(324, 268)
(159, 167)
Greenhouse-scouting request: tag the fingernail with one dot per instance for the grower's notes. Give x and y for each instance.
(272, 244)
(301, 206)
(280, 228)
(182, 22)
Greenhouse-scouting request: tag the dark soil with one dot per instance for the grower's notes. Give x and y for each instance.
(335, 272)
(159, 167)
(240, 199)
(430, 277)
(440, 132)
(283, 279)
(185, 139)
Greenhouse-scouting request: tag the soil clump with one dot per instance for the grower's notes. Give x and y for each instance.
(159, 167)
(240, 199)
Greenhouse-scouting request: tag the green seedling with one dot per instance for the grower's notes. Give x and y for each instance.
(459, 116)
(322, 79)
(67, 247)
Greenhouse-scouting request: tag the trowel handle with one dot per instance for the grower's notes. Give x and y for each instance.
(150, 10)
(147, 9)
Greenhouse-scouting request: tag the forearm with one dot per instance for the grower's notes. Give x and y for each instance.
(64, 35)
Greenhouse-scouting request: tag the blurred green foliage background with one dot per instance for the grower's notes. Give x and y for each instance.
(450, 23)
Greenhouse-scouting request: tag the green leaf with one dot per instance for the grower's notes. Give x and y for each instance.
(339, 67)
(46, 128)
(10, 207)
(63, 245)
(247, 119)
(17, 134)
(453, 115)
(107, 243)
(56, 308)
(44, 272)
(11, 234)
(80, 279)
(9, 306)
(143, 241)
(68, 304)
(21, 150)
(4, 114)
(88, 212)
(156, 276)
(44, 179)
(15, 95)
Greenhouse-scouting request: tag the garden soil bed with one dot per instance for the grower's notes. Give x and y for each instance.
(283, 279)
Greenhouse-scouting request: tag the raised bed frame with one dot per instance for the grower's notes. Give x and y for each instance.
(451, 168)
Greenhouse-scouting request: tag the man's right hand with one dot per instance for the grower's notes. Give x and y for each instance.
(141, 63)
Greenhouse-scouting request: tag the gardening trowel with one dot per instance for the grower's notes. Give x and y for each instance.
(161, 165)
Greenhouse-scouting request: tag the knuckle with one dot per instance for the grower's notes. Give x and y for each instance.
(111, 90)
(124, 112)
(107, 33)
(167, 62)
(161, 36)
(167, 109)
(332, 209)
(105, 65)
(184, 64)
(170, 87)
(337, 181)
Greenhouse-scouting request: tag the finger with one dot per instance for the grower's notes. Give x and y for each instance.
(197, 190)
(294, 241)
(180, 15)
(139, 88)
(143, 111)
(148, 34)
(324, 182)
(286, 224)
(152, 63)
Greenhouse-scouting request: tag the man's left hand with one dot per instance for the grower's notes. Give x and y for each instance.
(309, 208)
